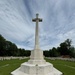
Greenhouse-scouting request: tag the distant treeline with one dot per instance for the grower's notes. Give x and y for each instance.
(8, 48)
(64, 50)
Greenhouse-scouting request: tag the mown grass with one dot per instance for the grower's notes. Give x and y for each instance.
(67, 67)
(7, 66)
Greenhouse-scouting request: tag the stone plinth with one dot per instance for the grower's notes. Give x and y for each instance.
(36, 66)
(36, 57)
(31, 69)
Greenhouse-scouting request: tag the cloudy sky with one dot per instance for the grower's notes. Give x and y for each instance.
(58, 22)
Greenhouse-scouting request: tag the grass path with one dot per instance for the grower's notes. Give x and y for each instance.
(7, 66)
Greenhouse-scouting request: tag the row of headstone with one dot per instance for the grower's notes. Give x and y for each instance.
(67, 59)
(8, 58)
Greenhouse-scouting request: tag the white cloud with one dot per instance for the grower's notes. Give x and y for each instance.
(58, 21)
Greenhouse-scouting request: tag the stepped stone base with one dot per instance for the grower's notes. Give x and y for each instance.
(31, 69)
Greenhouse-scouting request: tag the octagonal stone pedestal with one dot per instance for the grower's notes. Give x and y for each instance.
(31, 69)
(36, 66)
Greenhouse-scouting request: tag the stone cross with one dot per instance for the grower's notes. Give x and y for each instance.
(37, 31)
(36, 65)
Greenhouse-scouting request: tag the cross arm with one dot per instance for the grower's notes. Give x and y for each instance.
(39, 19)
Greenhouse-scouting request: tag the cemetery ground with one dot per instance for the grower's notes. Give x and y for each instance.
(7, 66)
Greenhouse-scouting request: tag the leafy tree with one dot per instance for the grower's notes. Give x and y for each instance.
(8, 48)
(2, 45)
(54, 52)
(51, 53)
(72, 52)
(46, 53)
(64, 48)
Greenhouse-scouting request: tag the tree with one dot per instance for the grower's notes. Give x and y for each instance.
(53, 52)
(46, 53)
(64, 48)
(72, 52)
(68, 43)
(8, 48)
(2, 45)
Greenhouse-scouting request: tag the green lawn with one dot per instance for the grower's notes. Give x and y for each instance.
(7, 66)
(67, 67)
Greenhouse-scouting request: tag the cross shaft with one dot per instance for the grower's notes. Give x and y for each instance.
(37, 31)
